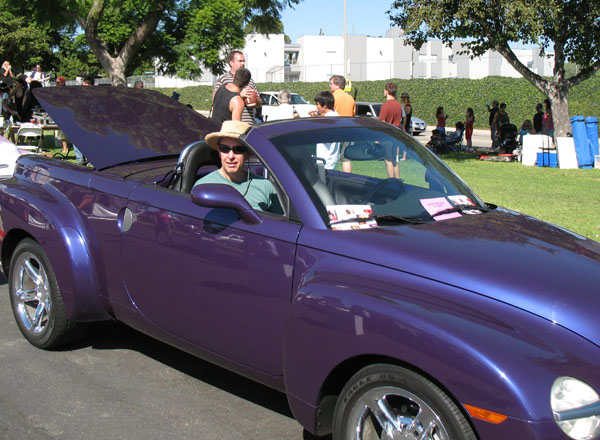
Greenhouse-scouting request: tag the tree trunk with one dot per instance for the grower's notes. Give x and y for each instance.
(560, 109)
(115, 65)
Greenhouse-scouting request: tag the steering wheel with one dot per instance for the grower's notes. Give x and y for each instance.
(379, 187)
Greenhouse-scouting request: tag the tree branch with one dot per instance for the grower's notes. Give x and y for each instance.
(538, 81)
(583, 75)
(136, 40)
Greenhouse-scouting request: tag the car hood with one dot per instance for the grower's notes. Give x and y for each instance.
(115, 125)
(504, 255)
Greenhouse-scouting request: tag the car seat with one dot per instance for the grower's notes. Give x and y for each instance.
(191, 159)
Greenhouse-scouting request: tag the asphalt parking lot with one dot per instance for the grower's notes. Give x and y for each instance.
(120, 384)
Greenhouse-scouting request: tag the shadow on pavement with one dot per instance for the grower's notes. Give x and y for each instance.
(111, 335)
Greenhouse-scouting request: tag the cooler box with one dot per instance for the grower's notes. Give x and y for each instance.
(545, 159)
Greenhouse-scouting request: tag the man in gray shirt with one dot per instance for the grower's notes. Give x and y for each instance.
(258, 191)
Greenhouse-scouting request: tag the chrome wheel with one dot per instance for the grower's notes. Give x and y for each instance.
(389, 402)
(36, 299)
(32, 298)
(390, 413)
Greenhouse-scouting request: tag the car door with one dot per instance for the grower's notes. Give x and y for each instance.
(203, 275)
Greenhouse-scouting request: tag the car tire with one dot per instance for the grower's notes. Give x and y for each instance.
(36, 300)
(387, 398)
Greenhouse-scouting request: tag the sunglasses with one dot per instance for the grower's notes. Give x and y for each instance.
(225, 149)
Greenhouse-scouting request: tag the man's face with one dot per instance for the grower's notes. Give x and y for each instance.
(232, 162)
(332, 86)
(237, 62)
(60, 82)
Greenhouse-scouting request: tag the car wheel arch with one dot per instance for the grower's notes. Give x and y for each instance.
(342, 373)
(86, 305)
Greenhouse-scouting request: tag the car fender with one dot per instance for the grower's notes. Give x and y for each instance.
(43, 213)
(346, 314)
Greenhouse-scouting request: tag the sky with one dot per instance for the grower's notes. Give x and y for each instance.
(364, 17)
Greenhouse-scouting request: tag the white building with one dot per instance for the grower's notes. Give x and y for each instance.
(316, 57)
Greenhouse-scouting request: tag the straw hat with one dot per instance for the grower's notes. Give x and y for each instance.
(229, 129)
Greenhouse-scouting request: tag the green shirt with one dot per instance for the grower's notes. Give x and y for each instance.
(258, 191)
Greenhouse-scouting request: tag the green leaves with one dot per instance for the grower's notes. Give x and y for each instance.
(23, 43)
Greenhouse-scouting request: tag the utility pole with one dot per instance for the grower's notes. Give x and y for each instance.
(345, 45)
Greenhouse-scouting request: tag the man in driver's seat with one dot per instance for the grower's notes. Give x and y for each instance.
(258, 191)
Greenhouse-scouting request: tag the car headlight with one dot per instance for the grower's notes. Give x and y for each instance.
(576, 407)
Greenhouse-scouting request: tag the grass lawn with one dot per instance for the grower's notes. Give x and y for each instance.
(568, 198)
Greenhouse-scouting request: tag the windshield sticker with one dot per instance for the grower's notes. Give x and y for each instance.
(341, 213)
(461, 200)
(345, 217)
(345, 226)
(438, 205)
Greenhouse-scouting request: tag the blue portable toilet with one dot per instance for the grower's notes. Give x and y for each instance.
(591, 127)
(584, 157)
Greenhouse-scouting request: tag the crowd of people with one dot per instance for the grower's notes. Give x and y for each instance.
(236, 98)
(499, 123)
(18, 101)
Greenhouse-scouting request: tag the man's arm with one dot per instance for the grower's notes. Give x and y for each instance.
(236, 106)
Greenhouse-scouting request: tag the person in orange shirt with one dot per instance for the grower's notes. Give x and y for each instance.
(343, 105)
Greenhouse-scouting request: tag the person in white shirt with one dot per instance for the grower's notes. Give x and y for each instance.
(330, 152)
(37, 75)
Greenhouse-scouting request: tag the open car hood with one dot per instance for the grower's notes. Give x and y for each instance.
(115, 125)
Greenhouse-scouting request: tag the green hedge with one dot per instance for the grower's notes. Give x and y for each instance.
(454, 94)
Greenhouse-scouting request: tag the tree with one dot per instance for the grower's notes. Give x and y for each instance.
(74, 58)
(180, 34)
(22, 43)
(570, 27)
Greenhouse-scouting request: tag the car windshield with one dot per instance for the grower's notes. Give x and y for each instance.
(394, 178)
(297, 99)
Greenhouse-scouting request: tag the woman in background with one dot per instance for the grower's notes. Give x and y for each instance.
(408, 110)
(469, 121)
(441, 119)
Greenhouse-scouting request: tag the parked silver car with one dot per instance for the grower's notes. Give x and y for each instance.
(417, 126)
(270, 101)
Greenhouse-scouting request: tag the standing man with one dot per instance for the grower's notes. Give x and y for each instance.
(538, 118)
(392, 113)
(344, 105)
(228, 104)
(37, 75)
(236, 61)
(493, 110)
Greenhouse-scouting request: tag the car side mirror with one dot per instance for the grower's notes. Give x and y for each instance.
(218, 195)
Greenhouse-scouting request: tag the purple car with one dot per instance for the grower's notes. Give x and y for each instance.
(387, 303)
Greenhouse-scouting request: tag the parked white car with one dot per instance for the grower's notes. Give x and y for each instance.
(270, 103)
(417, 126)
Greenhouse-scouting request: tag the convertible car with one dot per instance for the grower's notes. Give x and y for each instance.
(384, 308)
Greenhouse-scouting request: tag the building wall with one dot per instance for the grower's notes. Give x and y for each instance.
(265, 57)
(320, 57)
(379, 58)
(369, 59)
